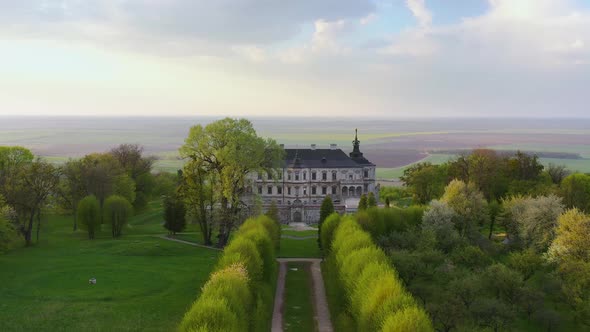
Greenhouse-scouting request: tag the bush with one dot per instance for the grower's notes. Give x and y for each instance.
(239, 294)
(327, 232)
(89, 215)
(174, 214)
(373, 292)
(408, 319)
(117, 211)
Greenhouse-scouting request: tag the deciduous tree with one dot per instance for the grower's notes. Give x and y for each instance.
(117, 212)
(174, 214)
(89, 215)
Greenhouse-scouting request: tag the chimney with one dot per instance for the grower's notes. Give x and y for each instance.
(313, 146)
(333, 146)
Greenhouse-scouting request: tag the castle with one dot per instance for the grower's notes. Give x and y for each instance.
(311, 174)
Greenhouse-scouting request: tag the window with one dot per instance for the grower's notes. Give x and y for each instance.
(289, 190)
(366, 173)
(324, 176)
(334, 190)
(304, 175)
(280, 174)
(279, 190)
(288, 175)
(279, 202)
(350, 177)
(334, 176)
(313, 175)
(260, 190)
(313, 190)
(304, 191)
(259, 176)
(296, 176)
(324, 190)
(269, 190)
(269, 175)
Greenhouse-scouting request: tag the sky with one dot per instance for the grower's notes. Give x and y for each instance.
(323, 58)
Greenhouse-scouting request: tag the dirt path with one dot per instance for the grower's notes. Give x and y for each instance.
(322, 314)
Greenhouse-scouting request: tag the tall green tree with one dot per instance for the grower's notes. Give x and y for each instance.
(326, 209)
(71, 188)
(89, 215)
(371, 200)
(100, 174)
(469, 205)
(174, 214)
(117, 211)
(197, 189)
(425, 181)
(363, 203)
(138, 167)
(230, 149)
(575, 190)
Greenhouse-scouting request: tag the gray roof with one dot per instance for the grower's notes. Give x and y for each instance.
(321, 158)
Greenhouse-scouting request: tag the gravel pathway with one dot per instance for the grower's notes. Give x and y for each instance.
(322, 314)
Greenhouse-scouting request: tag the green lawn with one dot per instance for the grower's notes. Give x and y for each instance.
(299, 233)
(298, 306)
(143, 283)
(307, 248)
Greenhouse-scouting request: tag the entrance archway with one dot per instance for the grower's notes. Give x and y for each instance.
(297, 217)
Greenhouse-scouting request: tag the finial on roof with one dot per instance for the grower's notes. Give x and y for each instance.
(356, 143)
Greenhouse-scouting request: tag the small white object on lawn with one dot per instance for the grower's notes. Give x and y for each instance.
(92, 281)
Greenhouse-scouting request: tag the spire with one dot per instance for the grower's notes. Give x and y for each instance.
(356, 143)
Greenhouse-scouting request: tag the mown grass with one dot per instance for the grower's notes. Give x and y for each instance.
(299, 233)
(143, 283)
(298, 313)
(307, 248)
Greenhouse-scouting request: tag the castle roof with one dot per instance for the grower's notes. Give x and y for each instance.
(322, 158)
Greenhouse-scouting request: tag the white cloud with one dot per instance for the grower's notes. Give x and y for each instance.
(419, 10)
(368, 19)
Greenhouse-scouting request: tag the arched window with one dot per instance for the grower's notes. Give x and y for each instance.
(344, 191)
(359, 191)
(334, 190)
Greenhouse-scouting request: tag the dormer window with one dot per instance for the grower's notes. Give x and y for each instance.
(296, 176)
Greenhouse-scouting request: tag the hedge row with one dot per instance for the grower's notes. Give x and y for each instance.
(374, 297)
(239, 293)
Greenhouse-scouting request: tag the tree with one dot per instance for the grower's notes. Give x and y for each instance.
(124, 186)
(174, 214)
(557, 173)
(371, 201)
(526, 262)
(28, 191)
(12, 159)
(523, 166)
(439, 220)
(89, 215)
(117, 211)
(100, 173)
(571, 240)
(363, 203)
(326, 209)
(71, 188)
(502, 283)
(138, 168)
(493, 314)
(387, 202)
(229, 150)
(197, 191)
(468, 204)
(531, 222)
(425, 181)
(575, 190)
(9, 236)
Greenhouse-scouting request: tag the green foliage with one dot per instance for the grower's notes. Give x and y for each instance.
(371, 200)
(393, 195)
(273, 214)
(408, 319)
(370, 285)
(89, 215)
(124, 186)
(327, 233)
(571, 240)
(526, 262)
(9, 237)
(117, 212)
(240, 291)
(469, 205)
(326, 210)
(439, 219)
(363, 203)
(425, 181)
(174, 214)
(227, 151)
(575, 190)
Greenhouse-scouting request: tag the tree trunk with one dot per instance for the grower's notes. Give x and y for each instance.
(223, 225)
(29, 230)
(38, 223)
(492, 222)
(75, 220)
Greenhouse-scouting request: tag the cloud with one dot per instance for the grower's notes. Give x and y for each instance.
(419, 10)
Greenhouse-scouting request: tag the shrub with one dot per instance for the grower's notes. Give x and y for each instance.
(174, 214)
(327, 232)
(89, 215)
(210, 315)
(408, 319)
(373, 292)
(272, 228)
(117, 211)
(239, 294)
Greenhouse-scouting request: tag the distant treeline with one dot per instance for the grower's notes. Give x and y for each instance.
(540, 154)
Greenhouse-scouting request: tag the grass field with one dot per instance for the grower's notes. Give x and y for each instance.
(307, 248)
(298, 305)
(46, 288)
